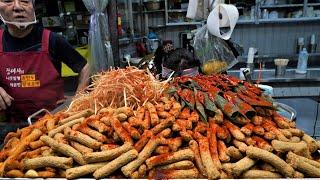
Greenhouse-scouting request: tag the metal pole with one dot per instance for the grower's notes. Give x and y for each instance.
(113, 17)
(130, 18)
(305, 7)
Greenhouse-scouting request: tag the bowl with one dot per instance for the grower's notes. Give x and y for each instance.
(135, 60)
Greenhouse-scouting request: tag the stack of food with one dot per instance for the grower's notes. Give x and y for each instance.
(202, 127)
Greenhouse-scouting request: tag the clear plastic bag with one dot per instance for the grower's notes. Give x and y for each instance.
(214, 53)
(100, 56)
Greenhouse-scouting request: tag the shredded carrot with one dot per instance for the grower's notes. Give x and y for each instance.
(119, 87)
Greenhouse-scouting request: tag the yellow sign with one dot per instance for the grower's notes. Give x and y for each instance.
(30, 84)
(28, 77)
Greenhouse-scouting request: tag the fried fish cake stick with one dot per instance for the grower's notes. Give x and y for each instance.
(109, 147)
(84, 113)
(312, 144)
(177, 166)
(258, 130)
(167, 103)
(51, 123)
(82, 139)
(31, 174)
(257, 120)
(163, 125)
(15, 174)
(286, 133)
(48, 161)
(187, 124)
(80, 171)
(146, 123)
(289, 146)
(165, 133)
(46, 174)
(122, 133)
(195, 148)
(115, 164)
(260, 174)
(221, 133)
(162, 150)
(181, 174)
(143, 140)
(64, 149)
(296, 132)
(153, 114)
(163, 114)
(247, 129)
(125, 110)
(292, 155)
(240, 145)
(36, 144)
(134, 133)
(176, 109)
(267, 167)
(234, 130)
(211, 133)
(107, 155)
(234, 153)
(212, 171)
(268, 126)
(194, 117)
(140, 113)
(282, 122)
(14, 165)
(222, 150)
(81, 148)
(64, 126)
(173, 143)
(262, 144)
(101, 127)
(241, 166)
(59, 137)
(142, 157)
(142, 172)
(284, 168)
(164, 159)
(269, 136)
(185, 113)
(92, 133)
(305, 167)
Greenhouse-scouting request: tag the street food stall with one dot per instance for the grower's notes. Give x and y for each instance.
(200, 118)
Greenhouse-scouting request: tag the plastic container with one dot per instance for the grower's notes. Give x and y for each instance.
(281, 65)
(302, 62)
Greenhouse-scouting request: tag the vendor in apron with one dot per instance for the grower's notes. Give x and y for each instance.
(30, 63)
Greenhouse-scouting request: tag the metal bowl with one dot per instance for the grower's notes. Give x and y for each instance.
(286, 111)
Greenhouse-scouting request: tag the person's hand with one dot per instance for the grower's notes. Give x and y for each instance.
(5, 99)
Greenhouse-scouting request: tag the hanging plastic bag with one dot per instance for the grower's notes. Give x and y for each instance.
(100, 56)
(214, 53)
(198, 9)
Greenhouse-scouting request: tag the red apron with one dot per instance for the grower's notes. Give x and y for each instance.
(31, 79)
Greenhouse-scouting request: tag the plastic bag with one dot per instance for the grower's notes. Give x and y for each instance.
(100, 56)
(214, 53)
(198, 9)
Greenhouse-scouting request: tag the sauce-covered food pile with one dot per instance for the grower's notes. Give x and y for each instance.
(200, 127)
